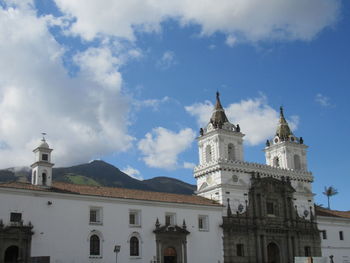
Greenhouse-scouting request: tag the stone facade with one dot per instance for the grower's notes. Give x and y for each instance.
(269, 215)
(270, 230)
(15, 242)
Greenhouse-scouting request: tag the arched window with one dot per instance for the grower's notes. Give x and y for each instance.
(208, 153)
(231, 151)
(134, 246)
(44, 178)
(297, 164)
(276, 162)
(95, 245)
(34, 177)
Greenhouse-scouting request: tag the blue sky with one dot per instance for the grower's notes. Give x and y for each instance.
(131, 83)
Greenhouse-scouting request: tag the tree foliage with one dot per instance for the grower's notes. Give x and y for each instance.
(329, 192)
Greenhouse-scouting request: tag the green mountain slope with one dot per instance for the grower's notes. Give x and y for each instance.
(100, 173)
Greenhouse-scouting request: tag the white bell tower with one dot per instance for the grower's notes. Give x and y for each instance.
(220, 148)
(42, 167)
(285, 150)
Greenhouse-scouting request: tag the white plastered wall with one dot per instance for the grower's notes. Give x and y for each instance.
(62, 229)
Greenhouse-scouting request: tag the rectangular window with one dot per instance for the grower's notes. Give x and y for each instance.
(270, 208)
(170, 219)
(240, 250)
(45, 157)
(341, 235)
(307, 251)
(203, 222)
(135, 218)
(95, 215)
(324, 234)
(16, 217)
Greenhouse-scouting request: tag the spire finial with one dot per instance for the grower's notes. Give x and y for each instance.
(281, 111)
(184, 224)
(43, 134)
(217, 95)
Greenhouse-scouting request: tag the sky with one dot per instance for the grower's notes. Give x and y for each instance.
(131, 82)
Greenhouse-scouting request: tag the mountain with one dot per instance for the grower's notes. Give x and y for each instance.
(170, 185)
(101, 173)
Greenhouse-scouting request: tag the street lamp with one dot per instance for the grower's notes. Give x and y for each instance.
(116, 251)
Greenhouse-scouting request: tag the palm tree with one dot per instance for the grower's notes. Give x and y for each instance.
(329, 191)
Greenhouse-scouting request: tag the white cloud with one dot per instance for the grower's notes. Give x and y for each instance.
(323, 100)
(202, 111)
(133, 172)
(151, 103)
(256, 118)
(161, 147)
(167, 60)
(82, 117)
(188, 165)
(251, 20)
(231, 40)
(101, 66)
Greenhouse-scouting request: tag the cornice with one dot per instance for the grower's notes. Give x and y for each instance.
(247, 167)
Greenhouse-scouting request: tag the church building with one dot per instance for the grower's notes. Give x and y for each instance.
(241, 212)
(270, 214)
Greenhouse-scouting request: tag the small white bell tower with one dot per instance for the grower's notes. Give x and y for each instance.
(42, 167)
(286, 150)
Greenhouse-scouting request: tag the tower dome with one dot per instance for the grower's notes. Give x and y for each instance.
(283, 131)
(43, 144)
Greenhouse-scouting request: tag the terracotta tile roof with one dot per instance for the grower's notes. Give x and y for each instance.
(114, 192)
(320, 211)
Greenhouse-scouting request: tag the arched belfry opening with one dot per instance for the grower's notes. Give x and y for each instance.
(208, 154)
(44, 179)
(231, 152)
(297, 163)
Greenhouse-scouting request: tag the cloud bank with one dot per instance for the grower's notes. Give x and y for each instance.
(85, 117)
(251, 20)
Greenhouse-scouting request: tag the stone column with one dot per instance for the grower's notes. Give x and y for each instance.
(184, 245)
(290, 249)
(258, 249)
(158, 248)
(264, 248)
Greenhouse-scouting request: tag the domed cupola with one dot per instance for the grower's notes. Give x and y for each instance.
(218, 118)
(283, 131)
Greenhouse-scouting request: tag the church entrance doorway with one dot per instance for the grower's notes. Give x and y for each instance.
(170, 255)
(273, 253)
(11, 254)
